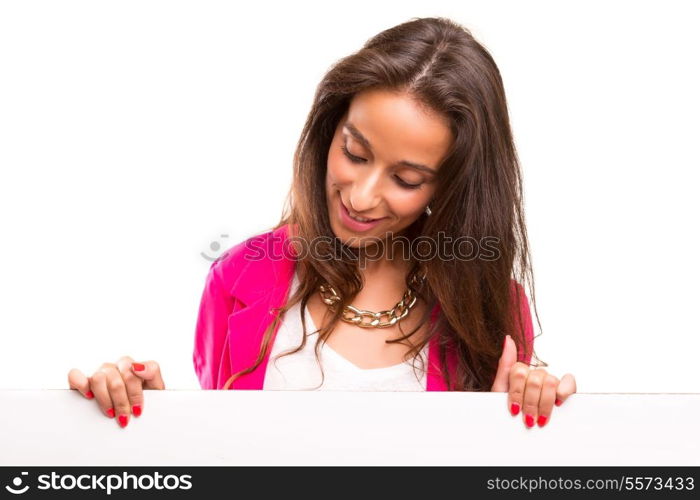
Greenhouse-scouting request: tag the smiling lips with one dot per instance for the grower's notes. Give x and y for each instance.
(353, 224)
(357, 217)
(361, 219)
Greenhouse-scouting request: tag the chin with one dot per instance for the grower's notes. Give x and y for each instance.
(365, 240)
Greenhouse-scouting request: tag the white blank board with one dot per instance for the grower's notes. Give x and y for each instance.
(202, 427)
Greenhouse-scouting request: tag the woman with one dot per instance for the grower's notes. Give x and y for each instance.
(407, 144)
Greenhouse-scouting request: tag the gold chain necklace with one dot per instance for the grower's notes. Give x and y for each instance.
(353, 315)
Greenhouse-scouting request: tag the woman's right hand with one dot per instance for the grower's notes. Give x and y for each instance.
(118, 387)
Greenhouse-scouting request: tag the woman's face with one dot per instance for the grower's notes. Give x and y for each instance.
(382, 164)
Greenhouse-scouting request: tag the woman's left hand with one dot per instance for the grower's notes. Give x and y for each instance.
(533, 390)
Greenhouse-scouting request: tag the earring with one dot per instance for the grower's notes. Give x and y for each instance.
(427, 210)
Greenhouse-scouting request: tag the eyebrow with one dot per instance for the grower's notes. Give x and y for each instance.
(357, 135)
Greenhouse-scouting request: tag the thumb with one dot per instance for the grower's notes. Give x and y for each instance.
(149, 372)
(505, 363)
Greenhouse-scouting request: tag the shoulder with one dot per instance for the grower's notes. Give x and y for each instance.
(242, 252)
(249, 266)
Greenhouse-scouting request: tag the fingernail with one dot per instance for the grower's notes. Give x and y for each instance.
(514, 409)
(89, 395)
(137, 410)
(123, 420)
(138, 367)
(541, 420)
(558, 402)
(110, 412)
(529, 420)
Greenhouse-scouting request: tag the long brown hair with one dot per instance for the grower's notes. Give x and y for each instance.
(478, 195)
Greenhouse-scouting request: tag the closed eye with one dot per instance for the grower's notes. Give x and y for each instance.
(357, 159)
(352, 157)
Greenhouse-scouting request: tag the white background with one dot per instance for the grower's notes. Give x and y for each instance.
(135, 134)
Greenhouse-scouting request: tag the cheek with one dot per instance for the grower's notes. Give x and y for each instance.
(337, 169)
(407, 205)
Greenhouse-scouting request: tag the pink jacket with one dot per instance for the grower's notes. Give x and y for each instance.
(236, 309)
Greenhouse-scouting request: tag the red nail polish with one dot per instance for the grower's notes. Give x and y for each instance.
(514, 409)
(89, 395)
(558, 402)
(110, 412)
(137, 410)
(123, 420)
(529, 420)
(541, 420)
(138, 367)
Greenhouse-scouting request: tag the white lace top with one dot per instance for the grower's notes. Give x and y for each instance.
(301, 371)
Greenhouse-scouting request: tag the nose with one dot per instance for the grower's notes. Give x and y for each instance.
(365, 194)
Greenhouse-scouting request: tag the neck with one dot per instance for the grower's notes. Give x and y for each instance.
(382, 261)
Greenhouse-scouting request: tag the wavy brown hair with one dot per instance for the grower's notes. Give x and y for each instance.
(438, 63)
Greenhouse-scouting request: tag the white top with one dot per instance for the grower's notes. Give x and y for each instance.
(301, 371)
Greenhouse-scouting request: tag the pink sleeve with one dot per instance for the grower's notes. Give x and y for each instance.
(526, 355)
(212, 327)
